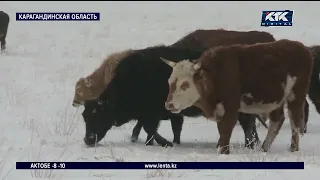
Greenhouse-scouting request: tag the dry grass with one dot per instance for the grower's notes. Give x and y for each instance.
(163, 173)
(112, 156)
(3, 160)
(38, 156)
(13, 98)
(66, 124)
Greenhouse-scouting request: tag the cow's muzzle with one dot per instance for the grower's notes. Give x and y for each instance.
(90, 142)
(171, 107)
(77, 103)
(91, 139)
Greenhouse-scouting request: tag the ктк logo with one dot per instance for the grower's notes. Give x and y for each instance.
(277, 18)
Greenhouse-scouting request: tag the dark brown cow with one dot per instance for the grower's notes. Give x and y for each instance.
(253, 79)
(208, 38)
(4, 23)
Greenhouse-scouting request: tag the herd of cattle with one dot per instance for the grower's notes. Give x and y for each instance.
(220, 74)
(223, 75)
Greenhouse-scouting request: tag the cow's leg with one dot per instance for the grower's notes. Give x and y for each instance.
(3, 44)
(3, 38)
(296, 116)
(306, 115)
(150, 125)
(225, 127)
(317, 105)
(135, 132)
(275, 123)
(176, 124)
(248, 124)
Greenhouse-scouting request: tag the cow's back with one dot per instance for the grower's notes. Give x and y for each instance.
(4, 18)
(210, 38)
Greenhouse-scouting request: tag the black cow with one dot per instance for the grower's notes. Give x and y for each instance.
(314, 89)
(138, 90)
(4, 23)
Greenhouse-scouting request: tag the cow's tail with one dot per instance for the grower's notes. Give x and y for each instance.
(314, 88)
(262, 120)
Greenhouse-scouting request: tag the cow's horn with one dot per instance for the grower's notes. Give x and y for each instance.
(170, 63)
(197, 66)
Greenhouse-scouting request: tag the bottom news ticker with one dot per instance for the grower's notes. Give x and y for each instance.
(159, 165)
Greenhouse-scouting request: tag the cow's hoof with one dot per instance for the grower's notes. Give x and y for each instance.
(167, 144)
(218, 144)
(149, 142)
(224, 150)
(293, 148)
(134, 139)
(305, 130)
(252, 144)
(176, 141)
(263, 149)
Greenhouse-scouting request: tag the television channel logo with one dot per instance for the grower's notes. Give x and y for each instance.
(277, 18)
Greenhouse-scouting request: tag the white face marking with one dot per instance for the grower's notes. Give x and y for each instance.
(260, 107)
(183, 98)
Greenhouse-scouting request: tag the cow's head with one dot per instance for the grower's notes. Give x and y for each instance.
(98, 119)
(183, 91)
(83, 91)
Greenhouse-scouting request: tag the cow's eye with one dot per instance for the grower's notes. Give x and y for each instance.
(185, 85)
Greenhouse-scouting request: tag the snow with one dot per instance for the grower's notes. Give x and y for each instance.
(45, 59)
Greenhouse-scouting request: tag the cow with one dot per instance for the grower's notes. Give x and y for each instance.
(208, 38)
(138, 90)
(254, 79)
(314, 90)
(4, 23)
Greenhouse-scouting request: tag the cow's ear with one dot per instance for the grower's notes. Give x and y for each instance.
(195, 61)
(197, 66)
(199, 74)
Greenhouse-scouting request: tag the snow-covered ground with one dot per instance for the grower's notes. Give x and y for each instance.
(46, 58)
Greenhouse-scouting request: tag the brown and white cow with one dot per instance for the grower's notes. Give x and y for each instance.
(253, 79)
